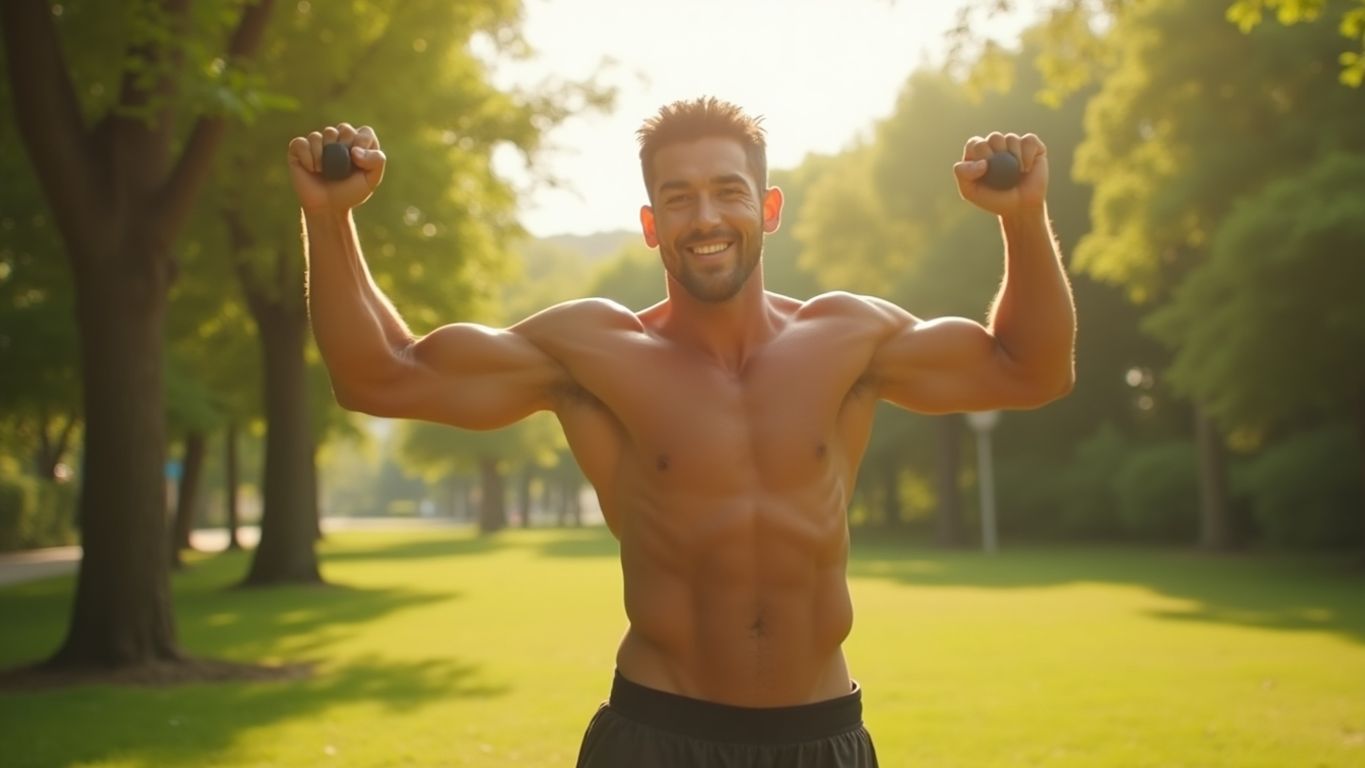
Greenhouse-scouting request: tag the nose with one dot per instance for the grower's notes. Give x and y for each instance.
(708, 215)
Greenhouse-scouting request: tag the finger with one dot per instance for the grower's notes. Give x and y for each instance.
(365, 138)
(371, 161)
(300, 154)
(976, 149)
(969, 171)
(315, 152)
(1013, 146)
(997, 142)
(1030, 149)
(346, 134)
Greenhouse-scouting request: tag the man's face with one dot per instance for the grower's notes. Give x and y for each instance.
(708, 216)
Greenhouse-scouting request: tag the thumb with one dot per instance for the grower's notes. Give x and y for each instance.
(969, 170)
(367, 159)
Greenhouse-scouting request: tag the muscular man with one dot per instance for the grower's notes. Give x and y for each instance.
(721, 428)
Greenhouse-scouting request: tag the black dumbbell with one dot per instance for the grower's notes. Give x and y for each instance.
(336, 161)
(1002, 171)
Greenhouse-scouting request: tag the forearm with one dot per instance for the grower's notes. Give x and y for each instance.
(357, 329)
(1034, 317)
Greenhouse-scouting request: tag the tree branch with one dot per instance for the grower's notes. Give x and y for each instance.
(176, 197)
(49, 117)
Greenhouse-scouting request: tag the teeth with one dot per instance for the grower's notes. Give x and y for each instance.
(707, 250)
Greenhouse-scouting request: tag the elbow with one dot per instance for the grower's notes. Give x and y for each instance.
(1058, 388)
(360, 399)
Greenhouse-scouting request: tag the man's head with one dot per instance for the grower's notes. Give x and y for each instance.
(705, 170)
(684, 121)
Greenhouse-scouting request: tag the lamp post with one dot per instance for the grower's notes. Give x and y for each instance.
(982, 422)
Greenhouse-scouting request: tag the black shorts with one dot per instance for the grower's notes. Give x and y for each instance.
(641, 727)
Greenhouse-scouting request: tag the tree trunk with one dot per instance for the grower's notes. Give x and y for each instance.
(119, 198)
(949, 532)
(122, 613)
(230, 483)
(492, 505)
(286, 553)
(1360, 436)
(1215, 520)
(187, 498)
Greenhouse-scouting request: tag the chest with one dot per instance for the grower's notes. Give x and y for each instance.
(779, 423)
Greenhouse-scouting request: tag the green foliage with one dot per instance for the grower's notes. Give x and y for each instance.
(1248, 14)
(1306, 490)
(634, 277)
(1077, 53)
(1158, 491)
(34, 512)
(1285, 282)
(1077, 499)
(1157, 148)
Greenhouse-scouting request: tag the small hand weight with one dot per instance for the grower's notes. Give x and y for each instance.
(336, 161)
(1002, 171)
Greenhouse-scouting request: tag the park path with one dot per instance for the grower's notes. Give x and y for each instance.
(34, 564)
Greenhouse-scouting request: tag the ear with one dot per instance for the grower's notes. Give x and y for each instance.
(772, 210)
(647, 226)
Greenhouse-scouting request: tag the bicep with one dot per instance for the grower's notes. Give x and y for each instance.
(949, 365)
(469, 376)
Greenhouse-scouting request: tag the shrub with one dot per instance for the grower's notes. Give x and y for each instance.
(1158, 492)
(1305, 491)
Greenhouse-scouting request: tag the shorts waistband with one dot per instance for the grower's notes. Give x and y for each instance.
(736, 725)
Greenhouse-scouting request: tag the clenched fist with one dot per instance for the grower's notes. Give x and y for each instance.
(305, 168)
(1031, 191)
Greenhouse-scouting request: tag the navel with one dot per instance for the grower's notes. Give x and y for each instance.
(821, 450)
(759, 626)
(663, 462)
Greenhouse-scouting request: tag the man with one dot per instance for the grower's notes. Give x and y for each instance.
(722, 428)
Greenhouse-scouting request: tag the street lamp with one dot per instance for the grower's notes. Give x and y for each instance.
(982, 422)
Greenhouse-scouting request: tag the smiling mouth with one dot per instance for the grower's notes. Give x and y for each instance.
(708, 249)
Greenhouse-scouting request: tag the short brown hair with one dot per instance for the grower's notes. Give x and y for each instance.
(700, 118)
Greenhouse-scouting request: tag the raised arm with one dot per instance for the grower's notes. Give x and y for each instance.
(1023, 357)
(464, 375)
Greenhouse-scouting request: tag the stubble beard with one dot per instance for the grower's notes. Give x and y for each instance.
(715, 288)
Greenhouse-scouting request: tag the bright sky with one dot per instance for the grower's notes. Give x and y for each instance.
(821, 72)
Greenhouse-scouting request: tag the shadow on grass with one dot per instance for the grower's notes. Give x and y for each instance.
(198, 724)
(1273, 591)
(193, 724)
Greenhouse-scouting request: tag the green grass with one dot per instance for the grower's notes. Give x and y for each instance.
(438, 649)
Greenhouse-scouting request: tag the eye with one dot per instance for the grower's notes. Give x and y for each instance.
(673, 201)
(731, 193)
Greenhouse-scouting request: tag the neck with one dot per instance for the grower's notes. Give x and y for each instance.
(726, 331)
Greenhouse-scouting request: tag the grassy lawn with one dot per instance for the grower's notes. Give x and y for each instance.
(439, 649)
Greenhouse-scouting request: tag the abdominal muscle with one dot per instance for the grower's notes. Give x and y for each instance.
(740, 601)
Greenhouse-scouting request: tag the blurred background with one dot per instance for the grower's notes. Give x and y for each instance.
(157, 374)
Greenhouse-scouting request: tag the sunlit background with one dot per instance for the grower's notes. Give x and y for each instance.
(1162, 568)
(819, 72)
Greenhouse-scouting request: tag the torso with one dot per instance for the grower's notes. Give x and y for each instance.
(728, 493)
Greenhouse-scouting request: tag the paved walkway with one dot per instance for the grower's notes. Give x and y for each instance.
(33, 564)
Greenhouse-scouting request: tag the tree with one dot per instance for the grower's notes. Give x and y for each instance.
(1165, 173)
(120, 193)
(1076, 53)
(438, 235)
(1284, 281)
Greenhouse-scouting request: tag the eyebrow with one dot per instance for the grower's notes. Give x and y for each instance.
(716, 181)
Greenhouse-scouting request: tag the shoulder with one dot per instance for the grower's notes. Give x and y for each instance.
(580, 316)
(878, 316)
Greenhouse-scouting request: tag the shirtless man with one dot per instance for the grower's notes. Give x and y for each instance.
(721, 428)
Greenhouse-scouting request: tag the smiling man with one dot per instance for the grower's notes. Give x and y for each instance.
(721, 428)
